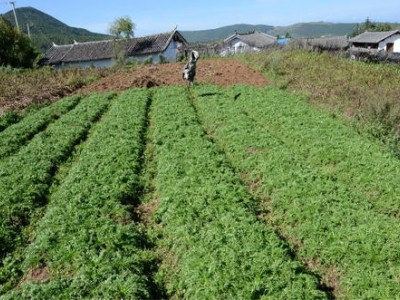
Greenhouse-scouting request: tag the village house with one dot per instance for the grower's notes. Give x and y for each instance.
(388, 41)
(249, 42)
(330, 43)
(164, 47)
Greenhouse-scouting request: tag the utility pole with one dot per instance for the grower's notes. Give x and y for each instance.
(28, 27)
(15, 14)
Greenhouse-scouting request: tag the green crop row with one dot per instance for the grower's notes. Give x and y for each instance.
(315, 178)
(217, 249)
(87, 243)
(328, 143)
(9, 118)
(12, 138)
(25, 177)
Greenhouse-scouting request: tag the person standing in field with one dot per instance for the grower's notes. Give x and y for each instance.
(189, 71)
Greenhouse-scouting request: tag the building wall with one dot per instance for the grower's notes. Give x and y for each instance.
(395, 39)
(238, 46)
(105, 63)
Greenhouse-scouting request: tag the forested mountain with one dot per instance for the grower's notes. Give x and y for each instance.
(46, 30)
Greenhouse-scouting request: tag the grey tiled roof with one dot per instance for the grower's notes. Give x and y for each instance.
(373, 37)
(334, 42)
(255, 39)
(91, 51)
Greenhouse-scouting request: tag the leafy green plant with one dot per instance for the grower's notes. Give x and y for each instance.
(217, 246)
(16, 136)
(26, 176)
(332, 193)
(87, 241)
(8, 118)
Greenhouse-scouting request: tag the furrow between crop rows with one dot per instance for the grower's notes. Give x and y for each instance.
(215, 246)
(25, 178)
(87, 244)
(16, 136)
(330, 222)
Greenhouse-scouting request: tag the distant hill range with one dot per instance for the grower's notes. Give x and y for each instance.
(46, 30)
(310, 30)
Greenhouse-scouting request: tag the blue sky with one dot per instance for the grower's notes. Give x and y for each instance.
(154, 16)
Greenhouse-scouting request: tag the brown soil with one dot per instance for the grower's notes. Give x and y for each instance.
(219, 71)
(223, 72)
(41, 274)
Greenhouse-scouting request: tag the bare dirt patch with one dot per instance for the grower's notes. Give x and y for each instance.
(41, 274)
(219, 71)
(223, 72)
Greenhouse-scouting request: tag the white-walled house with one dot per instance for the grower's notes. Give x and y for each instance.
(249, 42)
(388, 41)
(165, 46)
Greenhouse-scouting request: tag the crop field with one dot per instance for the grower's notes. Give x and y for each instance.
(208, 192)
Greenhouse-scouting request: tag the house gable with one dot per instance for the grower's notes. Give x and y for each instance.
(376, 40)
(255, 41)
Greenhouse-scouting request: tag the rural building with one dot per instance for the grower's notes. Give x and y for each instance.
(332, 43)
(388, 41)
(249, 42)
(155, 48)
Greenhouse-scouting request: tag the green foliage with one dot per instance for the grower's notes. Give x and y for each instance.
(219, 249)
(26, 176)
(368, 93)
(331, 192)
(8, 118)
(148, 60)
(16, 136)
(370, 26)
(122, 28)
(16, 49)
(248, 182)
(87, 240)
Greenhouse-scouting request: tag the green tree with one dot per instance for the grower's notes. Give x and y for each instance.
(122, 28)
(371, 26)
(16, 49)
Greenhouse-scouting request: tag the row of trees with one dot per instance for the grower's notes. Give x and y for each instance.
(371, 26)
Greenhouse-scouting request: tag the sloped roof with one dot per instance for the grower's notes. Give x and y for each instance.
(333, 42)
(56, 53)
(91, 51)
(254, 39)
(373, 37)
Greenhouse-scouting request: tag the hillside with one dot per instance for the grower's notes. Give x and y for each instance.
(45, 29)
(315, 29)
(222, 32)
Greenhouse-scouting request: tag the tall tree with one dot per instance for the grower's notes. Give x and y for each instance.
(122, 28)
(16, 49)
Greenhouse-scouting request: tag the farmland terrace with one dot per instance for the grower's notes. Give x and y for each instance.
(230, 189)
